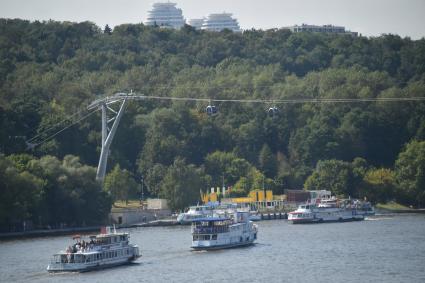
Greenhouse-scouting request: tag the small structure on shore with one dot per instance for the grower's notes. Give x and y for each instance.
(152, 209)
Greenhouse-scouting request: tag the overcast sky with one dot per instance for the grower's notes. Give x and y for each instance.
(368, 17)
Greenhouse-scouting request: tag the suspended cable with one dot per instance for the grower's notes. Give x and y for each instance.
(121, 96)
(32, 145)
(70, 117)
(133, 96)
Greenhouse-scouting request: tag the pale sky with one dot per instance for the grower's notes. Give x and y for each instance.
(368, 17)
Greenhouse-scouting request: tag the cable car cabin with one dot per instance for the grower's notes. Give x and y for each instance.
(211, 110)
(272, 111)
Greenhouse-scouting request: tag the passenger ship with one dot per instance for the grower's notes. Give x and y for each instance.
(102, 251)
(219, 233)
(214, 210)
(327, 210)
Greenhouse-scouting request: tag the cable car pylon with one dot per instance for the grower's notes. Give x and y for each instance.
(107, 137)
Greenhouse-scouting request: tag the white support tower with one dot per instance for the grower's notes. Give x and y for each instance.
(107, 134)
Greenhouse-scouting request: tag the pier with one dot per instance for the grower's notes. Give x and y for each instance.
(274, 215)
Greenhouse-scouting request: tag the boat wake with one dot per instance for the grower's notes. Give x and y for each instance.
(377, 219)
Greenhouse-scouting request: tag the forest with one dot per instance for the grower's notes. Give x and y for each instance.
(51, 70)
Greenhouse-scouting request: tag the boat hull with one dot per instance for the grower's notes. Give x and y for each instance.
(72, 267)
(326, 220)
(219, 247)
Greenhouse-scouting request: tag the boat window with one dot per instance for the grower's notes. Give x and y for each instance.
(63, 258)
(214, 237)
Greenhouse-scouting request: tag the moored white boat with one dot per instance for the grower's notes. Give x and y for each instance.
(326, 211)
(102, 251)
(220, 233)
(195, 212)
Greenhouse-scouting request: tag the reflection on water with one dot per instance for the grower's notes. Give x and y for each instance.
(382, 248)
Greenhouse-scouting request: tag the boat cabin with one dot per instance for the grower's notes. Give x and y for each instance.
(109, 239)
(91, 256)
(328, 203)
(211, 225)
(199, 208)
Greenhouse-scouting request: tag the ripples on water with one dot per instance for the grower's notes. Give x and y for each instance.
(380, 249)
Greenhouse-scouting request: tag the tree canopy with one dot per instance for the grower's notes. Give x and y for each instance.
(51, 70)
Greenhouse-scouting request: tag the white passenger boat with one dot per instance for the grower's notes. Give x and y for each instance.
(219, 233)
(365, 208)
(102, 251)
(219, 210)
(195, 212)
(326, 211)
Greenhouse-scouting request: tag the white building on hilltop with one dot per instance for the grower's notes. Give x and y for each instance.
(165, 15)
(218, 22)
(321, 29)
(196, 23)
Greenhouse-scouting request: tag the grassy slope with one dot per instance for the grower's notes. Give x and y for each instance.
(121, 205)
(392, 206)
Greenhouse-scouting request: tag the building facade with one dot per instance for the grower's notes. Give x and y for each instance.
(219, 22)
(321, 29)
(196, 23)
(165, 15)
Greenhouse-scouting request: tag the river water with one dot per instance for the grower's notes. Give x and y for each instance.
(385, 248)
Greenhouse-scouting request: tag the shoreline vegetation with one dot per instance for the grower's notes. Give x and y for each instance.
(394, 207)
(50, 71)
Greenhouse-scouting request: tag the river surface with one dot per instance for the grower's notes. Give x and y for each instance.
(385, 248)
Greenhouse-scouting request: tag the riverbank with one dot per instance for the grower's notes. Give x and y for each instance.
(394, 207)
(48, 232)
(382, 208)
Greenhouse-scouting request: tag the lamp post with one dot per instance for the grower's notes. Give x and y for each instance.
(142, 193)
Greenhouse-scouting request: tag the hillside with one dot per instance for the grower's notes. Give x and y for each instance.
(50, 70)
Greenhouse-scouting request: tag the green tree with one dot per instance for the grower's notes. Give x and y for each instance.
(154, 177)
(181, 185)
(48, 191)
(410, 173)
(120, 184)
(21, 195)
(107, 30)
(333, 175)
(267, 161)
(378, 186)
